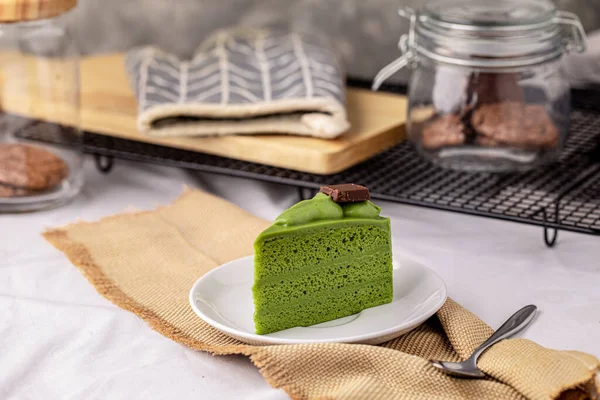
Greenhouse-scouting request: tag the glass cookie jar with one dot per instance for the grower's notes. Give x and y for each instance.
(40, 143)
(487, 92)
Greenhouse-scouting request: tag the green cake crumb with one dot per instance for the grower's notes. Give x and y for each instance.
(321, 261)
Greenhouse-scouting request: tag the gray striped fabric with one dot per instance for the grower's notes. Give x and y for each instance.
(241, 82)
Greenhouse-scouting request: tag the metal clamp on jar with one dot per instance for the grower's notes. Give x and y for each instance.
(487, 92)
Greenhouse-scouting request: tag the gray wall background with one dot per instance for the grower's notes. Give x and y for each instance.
(364, 31)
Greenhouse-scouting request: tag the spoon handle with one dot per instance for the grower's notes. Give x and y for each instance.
(514, 324)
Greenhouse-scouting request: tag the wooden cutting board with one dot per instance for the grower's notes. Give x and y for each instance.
(108, 107)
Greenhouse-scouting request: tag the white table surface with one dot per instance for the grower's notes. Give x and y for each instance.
(59, 339)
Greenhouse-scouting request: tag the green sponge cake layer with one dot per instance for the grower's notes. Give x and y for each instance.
(321, 261)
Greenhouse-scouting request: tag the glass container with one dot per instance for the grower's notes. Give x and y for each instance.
(487, 91)
(40, 142)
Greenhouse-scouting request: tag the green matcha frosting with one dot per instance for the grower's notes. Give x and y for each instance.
(364, 209)
(323, 208)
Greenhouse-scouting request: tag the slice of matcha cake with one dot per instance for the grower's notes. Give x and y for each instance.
(323, 259)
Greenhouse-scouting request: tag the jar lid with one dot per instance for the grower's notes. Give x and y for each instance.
(29, 10)
(504, 34)
(485, 14)
(482, 33)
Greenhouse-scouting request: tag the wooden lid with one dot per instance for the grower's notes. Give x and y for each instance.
(28, 10)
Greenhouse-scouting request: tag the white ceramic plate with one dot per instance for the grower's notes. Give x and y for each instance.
(223, 298)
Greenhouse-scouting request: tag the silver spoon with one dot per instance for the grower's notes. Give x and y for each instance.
(468, 368)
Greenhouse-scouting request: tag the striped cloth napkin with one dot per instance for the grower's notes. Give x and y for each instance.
(241, 81)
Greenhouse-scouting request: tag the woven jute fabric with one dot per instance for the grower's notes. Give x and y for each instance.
(146, 263)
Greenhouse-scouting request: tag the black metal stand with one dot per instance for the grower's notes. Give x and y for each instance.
(104, 164)
(564, 196)
(551, 240)
(305, 194)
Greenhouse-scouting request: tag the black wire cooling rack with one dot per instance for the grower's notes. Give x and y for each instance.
(562, 196)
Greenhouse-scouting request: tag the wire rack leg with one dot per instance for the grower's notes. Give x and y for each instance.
(104, 163)
(302, 193)
(551, 238)
(305, 193)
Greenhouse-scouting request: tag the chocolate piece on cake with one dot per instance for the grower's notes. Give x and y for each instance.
(346, 193)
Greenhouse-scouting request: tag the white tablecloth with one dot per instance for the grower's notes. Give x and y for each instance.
(59, 339)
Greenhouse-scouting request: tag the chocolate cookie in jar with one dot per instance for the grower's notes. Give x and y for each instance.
(487, 92)
(40, 143)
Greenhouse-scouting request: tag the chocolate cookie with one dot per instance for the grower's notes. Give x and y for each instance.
(486, 88)
(30, 167)
(444, 130)
(515, 124)
(8, 191)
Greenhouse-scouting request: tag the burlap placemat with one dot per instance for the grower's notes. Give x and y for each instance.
(146, 263)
